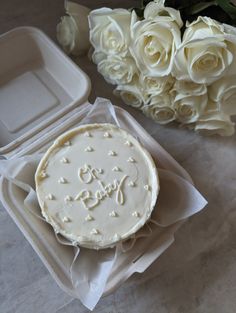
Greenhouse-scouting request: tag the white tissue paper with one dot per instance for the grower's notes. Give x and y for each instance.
(93, 272)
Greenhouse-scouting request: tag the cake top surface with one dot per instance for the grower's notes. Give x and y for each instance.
(96, 185)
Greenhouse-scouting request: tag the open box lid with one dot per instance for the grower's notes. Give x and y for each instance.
(39, 84)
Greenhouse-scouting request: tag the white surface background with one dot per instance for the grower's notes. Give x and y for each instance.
(196, 274)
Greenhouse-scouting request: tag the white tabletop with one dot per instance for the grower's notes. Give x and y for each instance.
(196, 274)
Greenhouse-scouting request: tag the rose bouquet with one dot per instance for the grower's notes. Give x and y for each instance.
(172, 70)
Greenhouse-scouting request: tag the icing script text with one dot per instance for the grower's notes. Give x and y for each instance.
(87, 175)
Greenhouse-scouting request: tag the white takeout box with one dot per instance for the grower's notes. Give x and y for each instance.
(42, 94)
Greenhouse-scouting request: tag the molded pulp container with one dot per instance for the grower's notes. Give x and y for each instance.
(42, 94)
(38, 85)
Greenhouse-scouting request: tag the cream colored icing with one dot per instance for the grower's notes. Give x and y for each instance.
(67, 143)
(62, 180)
(128, 143)
(87, 134)
(113, 214)
(98, 198)
(64, 160)
(112, 153)
(131, 184)
(131, 160)
(94, 231)
(68, 198)
(49, 196)
(107, 135)
(88, 218)
(88, 149)
(116, 169)
(43, 174)
(66, 219)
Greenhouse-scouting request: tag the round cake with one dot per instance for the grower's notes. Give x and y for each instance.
(96, 185)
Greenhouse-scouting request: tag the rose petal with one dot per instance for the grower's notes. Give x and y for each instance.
(215, 123)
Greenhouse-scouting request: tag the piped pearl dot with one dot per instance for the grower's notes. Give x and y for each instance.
(113, 214)
(94, 231)
(116, 237)
(147, 187)
(49, 197)
(66, 219)
(131, 160)
(112, 153)
(62, 180)
(106, 135)
(116, 169)
(135, 214)
(64, 160)
(68, 198)
(88, 149)
(89, 218)
(67, 143)
(128, 143)
(131, 184)
(100, 170)
(87, 134)
(43, 174)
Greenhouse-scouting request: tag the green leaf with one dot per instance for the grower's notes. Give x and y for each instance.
(228, 7)
(197, 8)
(171, 3)
(144, 3)
(183, 4)
(139, 12)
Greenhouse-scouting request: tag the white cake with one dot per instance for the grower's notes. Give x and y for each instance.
(96, 185)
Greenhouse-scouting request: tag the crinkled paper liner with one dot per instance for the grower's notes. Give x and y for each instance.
(178, 199)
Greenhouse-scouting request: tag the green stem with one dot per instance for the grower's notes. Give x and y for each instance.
(198, 7)
(228, 7)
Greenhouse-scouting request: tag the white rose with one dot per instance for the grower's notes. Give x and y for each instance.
(230, 37)
(223, 92)
(205, 53)
(117, 70)
(132, 94)
(214, 122)
(73, 30)
(153, 45)
(98, 56)
(110, 30)
(156, 10)
(160, 109)
(188, 108)
(189, 88)
(156, 85)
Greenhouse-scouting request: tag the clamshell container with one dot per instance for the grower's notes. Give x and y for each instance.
(42, 94)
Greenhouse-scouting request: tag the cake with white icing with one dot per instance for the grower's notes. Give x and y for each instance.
(96, 185)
